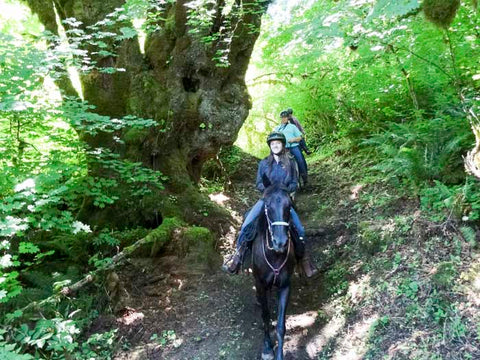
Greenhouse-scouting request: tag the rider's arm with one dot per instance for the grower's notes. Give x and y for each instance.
(260, 172)
(297, 136)
(293, 184)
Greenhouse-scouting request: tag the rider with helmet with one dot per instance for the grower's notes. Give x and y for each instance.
(278, 169)
(293, 136)
(293, 120)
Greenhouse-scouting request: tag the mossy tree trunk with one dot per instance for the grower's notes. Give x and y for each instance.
(198, 105)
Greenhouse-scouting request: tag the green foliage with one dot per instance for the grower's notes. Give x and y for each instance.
(469, 235)
(350, 70)
(336, 279)
(167, 337)
(371, 238)
(227, 162)
(445, 273)
(409, 288)
(46, 181)
(461, 201)
(216, 24)
(55, 338)
(393, 8)
(420, 151)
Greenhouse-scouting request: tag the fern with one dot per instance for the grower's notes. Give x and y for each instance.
(469, 235)
(423, 150)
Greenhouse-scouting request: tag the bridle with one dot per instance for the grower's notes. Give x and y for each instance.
(276, 271)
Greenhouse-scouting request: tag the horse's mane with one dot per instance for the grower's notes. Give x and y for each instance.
(260, 224)
(273, 189)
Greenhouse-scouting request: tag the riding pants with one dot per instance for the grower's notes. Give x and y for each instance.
(247, 230)
(302, 164)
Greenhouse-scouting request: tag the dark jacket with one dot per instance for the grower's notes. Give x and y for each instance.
(277, 174)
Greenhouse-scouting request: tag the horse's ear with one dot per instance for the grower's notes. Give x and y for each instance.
(266, 181)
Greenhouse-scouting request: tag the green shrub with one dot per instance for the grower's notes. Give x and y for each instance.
(420, 151)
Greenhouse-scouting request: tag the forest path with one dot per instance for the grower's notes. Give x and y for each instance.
(180, 315)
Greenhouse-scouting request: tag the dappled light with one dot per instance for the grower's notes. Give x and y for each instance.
(219, 198)
(327, 333)
(158, 156)
(130, 316)
(357, 290)
(302, 321)
(354, 344)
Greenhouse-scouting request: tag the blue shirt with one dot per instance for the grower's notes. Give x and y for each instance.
(290, 131)
(277, 174)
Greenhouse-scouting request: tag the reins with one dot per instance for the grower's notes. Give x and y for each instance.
(276, 271)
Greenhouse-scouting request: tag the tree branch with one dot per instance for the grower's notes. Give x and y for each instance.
(68, 290)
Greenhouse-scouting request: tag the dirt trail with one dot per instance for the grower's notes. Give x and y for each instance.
(180, 315)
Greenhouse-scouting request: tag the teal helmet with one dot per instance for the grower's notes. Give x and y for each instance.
(276, 135)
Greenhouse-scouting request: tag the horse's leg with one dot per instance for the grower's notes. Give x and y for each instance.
(267, 352)
(283, 296)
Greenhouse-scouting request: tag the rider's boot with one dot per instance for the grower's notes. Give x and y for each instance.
(308, 268)
(236, 262)
(305, 264)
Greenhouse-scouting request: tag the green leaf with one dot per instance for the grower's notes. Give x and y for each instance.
(28, 248)
(8, 352)
(15, 315)
(393, 8)
(128, 32)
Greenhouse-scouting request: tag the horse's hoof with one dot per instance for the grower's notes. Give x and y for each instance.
(267, 356)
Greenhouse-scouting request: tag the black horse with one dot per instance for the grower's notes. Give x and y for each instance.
(273, 262)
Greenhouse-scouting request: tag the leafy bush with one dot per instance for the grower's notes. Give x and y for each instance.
(423, 150)
(55, 338)
(460, 201)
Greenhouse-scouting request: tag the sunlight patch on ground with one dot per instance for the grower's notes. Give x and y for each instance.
(130, 316)
(355, 191)
(299, 324)
(400, 348)
(301, 320)
(356, 290)
(329, 331)
(219, 198)
(227, 242)
(471, 283)
(353, 345)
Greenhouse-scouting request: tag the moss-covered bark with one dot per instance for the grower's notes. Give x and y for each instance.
(198, 105)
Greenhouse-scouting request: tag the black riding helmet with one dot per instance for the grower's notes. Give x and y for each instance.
(289, 111)
(276, 136)
(284, 114)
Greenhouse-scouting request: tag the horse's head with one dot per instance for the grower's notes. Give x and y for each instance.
(277, 211)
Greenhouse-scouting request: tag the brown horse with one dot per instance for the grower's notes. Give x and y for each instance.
(273, 263)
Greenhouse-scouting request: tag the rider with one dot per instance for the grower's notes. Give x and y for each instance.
(294, 136)
(278, 169)
(293, 120)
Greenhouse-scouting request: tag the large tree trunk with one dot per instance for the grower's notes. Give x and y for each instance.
(199, 106)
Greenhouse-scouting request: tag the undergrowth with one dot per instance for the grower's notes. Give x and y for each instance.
(410, 268)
